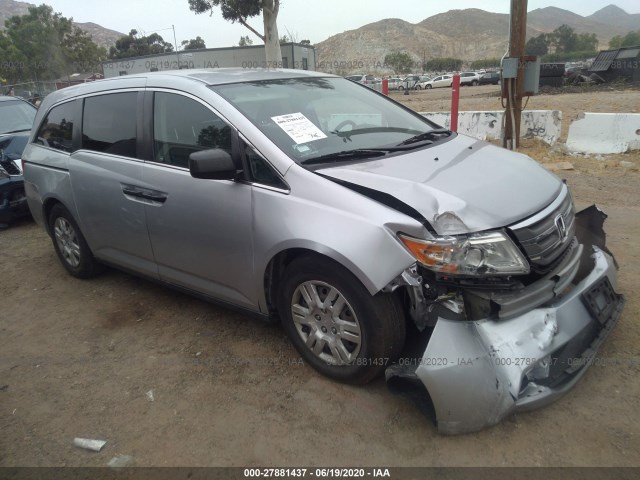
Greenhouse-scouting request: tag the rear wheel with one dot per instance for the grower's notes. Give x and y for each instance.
(429, 87)
(336, 325)
(474, 83)
(70, 245)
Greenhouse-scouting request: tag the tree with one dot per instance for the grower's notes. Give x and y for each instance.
(400, 62)
(586, 42)
(193, 44)
(240, 11)
(443, 64)
(485, 63)
(537, 45)
(564, 39)
(284, 39)
(631, 39)
(245, 41)
(133, 45)
(45, 45)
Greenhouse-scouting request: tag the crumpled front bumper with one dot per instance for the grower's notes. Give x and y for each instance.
(478, 372)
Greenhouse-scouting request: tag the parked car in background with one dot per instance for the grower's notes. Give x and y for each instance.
(414, 82)
(364, 79)
(409, 82)
(492, 78)
(16, 119)
(395, 83)
(469, 78)
(439, 81)
(422, 81)
(357, 223)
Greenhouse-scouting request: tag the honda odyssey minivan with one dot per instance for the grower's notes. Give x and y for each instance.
(360, 225)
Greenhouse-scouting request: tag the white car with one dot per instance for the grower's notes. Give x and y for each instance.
(469, 78)
(422, 82)
(440, 81)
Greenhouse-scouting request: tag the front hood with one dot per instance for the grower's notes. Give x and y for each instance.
(459, 186)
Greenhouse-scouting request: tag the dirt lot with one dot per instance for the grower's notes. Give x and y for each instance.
(78, 357)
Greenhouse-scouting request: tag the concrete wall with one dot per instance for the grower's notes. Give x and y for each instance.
(605, 133)
(543, 124)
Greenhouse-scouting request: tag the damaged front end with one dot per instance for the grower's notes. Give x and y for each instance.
(494, 345)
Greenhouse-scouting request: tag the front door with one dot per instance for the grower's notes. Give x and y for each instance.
(200, 230)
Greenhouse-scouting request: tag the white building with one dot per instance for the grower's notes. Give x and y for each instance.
(294, 55)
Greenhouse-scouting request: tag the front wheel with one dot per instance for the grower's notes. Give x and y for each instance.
(336, 325)
(70, 245)
(429, 87)
(474, 83)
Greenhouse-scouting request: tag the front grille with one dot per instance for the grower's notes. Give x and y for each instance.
(545, 239)
(10, 168)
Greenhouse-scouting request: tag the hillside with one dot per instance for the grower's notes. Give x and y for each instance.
(102, 36)
(470, 34)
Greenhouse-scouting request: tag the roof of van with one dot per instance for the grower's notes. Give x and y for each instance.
(218, 76)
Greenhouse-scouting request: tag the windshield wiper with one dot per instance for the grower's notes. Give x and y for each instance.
(430, 135)
(347, 155)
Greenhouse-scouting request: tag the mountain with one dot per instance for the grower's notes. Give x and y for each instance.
(612, 15)
(470, 34)
(102, 36)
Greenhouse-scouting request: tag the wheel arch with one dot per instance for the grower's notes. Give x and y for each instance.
(274, 269)
(47, 206)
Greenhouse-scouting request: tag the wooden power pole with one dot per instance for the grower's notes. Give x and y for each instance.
(513, 88)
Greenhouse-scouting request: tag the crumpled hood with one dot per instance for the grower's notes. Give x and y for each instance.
(459, 186)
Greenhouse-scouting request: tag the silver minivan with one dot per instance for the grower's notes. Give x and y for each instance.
(382, 242)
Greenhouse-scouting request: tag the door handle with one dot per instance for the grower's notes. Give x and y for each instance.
(155, 197)
(144, 193)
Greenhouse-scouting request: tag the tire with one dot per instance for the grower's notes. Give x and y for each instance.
(429, 87)
(475, 83)
(400, 87)
(418, 87)
(70, 245)
(353, 344)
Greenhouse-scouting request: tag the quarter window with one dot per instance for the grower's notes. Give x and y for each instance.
(260, 171)
(56, 130)
(109, 124)
(182, 126)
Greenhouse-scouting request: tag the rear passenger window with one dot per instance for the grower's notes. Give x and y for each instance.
(56, 130)
(182, 126)
(109, 124)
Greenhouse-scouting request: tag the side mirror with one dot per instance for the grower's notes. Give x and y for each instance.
(214, 164)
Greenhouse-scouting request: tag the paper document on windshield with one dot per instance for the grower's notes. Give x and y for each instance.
(299, 127)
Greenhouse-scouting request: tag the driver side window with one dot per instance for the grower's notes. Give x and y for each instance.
(182, 126)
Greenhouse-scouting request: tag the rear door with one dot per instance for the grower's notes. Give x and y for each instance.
(200, 230)
(106, 178)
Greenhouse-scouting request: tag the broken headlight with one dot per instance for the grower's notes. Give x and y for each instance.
(490, 253)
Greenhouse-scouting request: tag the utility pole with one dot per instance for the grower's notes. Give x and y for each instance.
(513, 88)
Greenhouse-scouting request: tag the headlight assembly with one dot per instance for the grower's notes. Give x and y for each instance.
(477, 254)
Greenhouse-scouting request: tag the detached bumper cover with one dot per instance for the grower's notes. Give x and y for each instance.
(476, 373)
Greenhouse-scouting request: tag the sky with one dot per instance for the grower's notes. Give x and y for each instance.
(302, 19)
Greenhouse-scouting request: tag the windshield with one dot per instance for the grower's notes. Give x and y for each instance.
(315, 118)
(16, 116)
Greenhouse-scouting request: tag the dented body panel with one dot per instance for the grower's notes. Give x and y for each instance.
(478, 372)
(450, 184)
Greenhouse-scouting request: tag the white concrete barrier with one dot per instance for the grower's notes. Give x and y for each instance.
(542, 124)
(604, 133)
